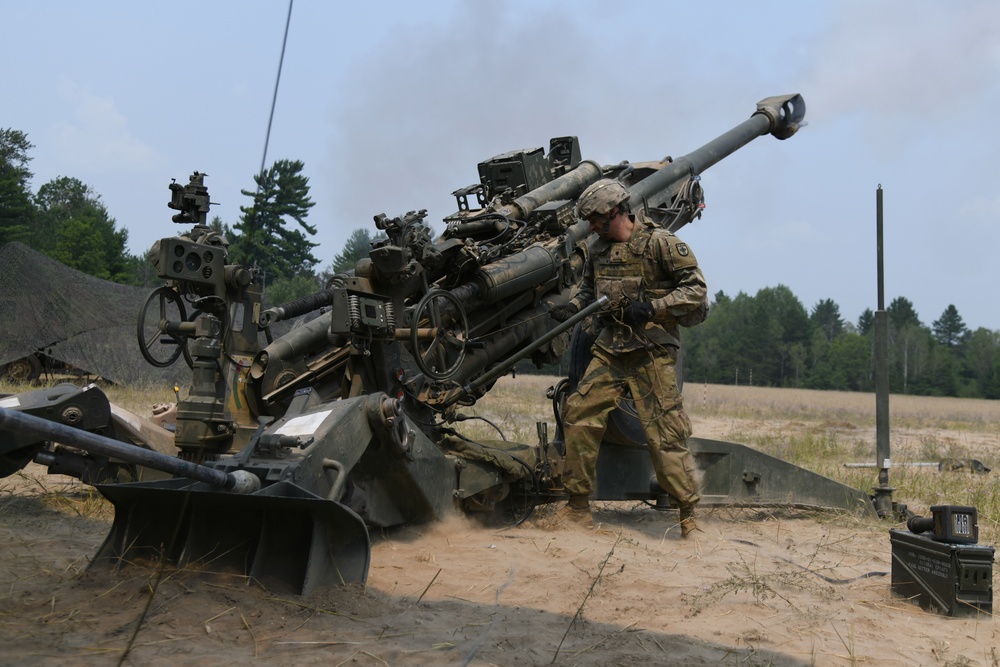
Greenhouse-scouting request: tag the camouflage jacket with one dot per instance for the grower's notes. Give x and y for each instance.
(655, 266)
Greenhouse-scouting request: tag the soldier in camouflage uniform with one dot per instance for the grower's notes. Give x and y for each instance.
(653, 284)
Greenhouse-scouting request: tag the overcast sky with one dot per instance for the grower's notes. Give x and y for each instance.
(391, 105)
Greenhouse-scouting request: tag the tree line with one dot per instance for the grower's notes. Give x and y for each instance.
(65, 219)
(768, 339)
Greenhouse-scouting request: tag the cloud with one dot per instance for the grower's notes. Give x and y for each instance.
(98, 135)
(983, 207)
(425, 107)
(906, 59)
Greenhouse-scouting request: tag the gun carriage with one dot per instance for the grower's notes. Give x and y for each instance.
(289, 448)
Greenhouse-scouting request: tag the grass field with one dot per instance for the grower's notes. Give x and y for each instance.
(818, 430)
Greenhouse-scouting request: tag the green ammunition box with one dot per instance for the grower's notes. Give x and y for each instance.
(955, 579)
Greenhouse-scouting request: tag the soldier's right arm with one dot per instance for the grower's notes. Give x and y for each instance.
(689, 291)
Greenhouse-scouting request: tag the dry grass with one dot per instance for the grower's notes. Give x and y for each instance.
(853, 407)
(137, 400)
(822, 431)
(819, 430)
(514, 406)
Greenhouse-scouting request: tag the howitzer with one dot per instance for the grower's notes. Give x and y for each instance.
(347, 420)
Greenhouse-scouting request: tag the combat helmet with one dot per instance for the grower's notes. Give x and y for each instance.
(600, 198)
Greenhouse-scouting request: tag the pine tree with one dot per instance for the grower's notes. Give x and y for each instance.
(866, 322)
(264, 237)
(358, 245)
(950, 330)
(902, 314)
(826, 316)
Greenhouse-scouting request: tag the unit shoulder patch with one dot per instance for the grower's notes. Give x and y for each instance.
(678, 253)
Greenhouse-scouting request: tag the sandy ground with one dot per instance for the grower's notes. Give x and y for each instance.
(775, 587)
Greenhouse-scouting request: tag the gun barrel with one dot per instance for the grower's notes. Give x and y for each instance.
(780, 116)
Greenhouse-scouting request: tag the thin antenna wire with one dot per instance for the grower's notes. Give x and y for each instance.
(274, 99)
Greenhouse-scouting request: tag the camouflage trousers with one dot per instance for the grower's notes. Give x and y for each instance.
(652, 381)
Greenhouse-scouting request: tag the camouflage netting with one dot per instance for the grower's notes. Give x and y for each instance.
(74, 318)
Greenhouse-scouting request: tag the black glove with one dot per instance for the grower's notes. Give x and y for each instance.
(563, 313)
(638, 313)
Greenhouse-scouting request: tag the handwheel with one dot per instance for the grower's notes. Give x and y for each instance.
(158, 346)
(445, 352)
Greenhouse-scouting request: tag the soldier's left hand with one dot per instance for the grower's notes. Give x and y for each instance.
(564, 312)
(638, 313)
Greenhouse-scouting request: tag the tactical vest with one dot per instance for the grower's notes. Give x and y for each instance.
(633, 271)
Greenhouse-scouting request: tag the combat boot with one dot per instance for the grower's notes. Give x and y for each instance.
(575, 512)
(688, 524)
